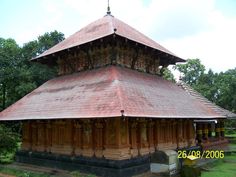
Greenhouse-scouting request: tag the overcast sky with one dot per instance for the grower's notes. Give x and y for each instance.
(204, 29)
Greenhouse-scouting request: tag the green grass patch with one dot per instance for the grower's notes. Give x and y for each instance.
(78, 174)
(26, 173)
(221, 168)
(21, 173)
(230, 134)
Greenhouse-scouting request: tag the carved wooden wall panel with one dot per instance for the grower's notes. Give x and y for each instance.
(111, 133)
(98, 56)
(114, 138)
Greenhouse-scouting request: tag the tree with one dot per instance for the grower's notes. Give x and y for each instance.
(8, 140)
(207, 85)
(19, 76)
(168, 75)
(9, 61)
(191, 70)
(226, 93)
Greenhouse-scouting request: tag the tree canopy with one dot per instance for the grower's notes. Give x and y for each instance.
(19, 76)
(220, 88)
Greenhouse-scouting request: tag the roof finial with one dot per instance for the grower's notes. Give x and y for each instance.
(108, 8)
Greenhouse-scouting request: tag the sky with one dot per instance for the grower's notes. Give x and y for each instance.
(204, 29)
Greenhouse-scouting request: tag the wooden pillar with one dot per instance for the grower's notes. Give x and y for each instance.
(191, 134)
(87, 145)
(155, 131)
(62, 137)
(77, 145)
(150, 125)
(162, 136)
(174, 133)
(41, 143)
(117, 139)
(48, 132)
(26, 136)
(210, 130)
(142, 139)
(99, 136)
(199, 133)
(222, 129)
(185, 133)
(205, 132)
(34, 136)
(218, 130)
(133, 138)
(179, 133)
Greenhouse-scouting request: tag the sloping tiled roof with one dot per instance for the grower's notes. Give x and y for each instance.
(103, 27)
(105, 92)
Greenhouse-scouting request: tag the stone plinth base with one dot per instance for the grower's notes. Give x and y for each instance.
(88, 152)
(98, 166)
(134, 152)
(117, 154)
(144, 151)
(61, 149)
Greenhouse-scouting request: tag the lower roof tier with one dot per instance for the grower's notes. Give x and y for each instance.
(112, 91)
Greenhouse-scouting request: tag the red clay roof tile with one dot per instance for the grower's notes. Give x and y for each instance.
(103, 27)
(105, 92)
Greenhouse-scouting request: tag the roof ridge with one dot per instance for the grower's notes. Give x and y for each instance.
(118, 90)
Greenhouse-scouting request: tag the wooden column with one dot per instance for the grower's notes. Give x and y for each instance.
(199, 133)
(150, 125)
(210, 130)
(174, 133)
(205, 132)
(117, 139)
(191, 134)
(99, 138)
(26, 136)
(62, 137)
(143, 145)
(41, 144)
(34, 136)
(87, 145)
(48, 132)
(222, 129)
(133, 137)
(185, 133)
(179, 133)
(77, 137)
(155, 131)
(218, 130)
(162, 134)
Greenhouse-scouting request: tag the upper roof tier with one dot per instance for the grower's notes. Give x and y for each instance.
(104, 27)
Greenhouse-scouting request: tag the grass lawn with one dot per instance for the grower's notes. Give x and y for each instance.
(21, 173)
(6, 170)
(232, 134)
(222, 168)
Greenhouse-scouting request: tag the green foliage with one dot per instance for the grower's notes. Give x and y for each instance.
(223, 167)
(191, 71)
(8, 141)
(19, 76)
(21, 173)
(168, 75)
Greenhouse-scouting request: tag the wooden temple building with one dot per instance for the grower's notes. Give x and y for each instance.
(110, 106)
